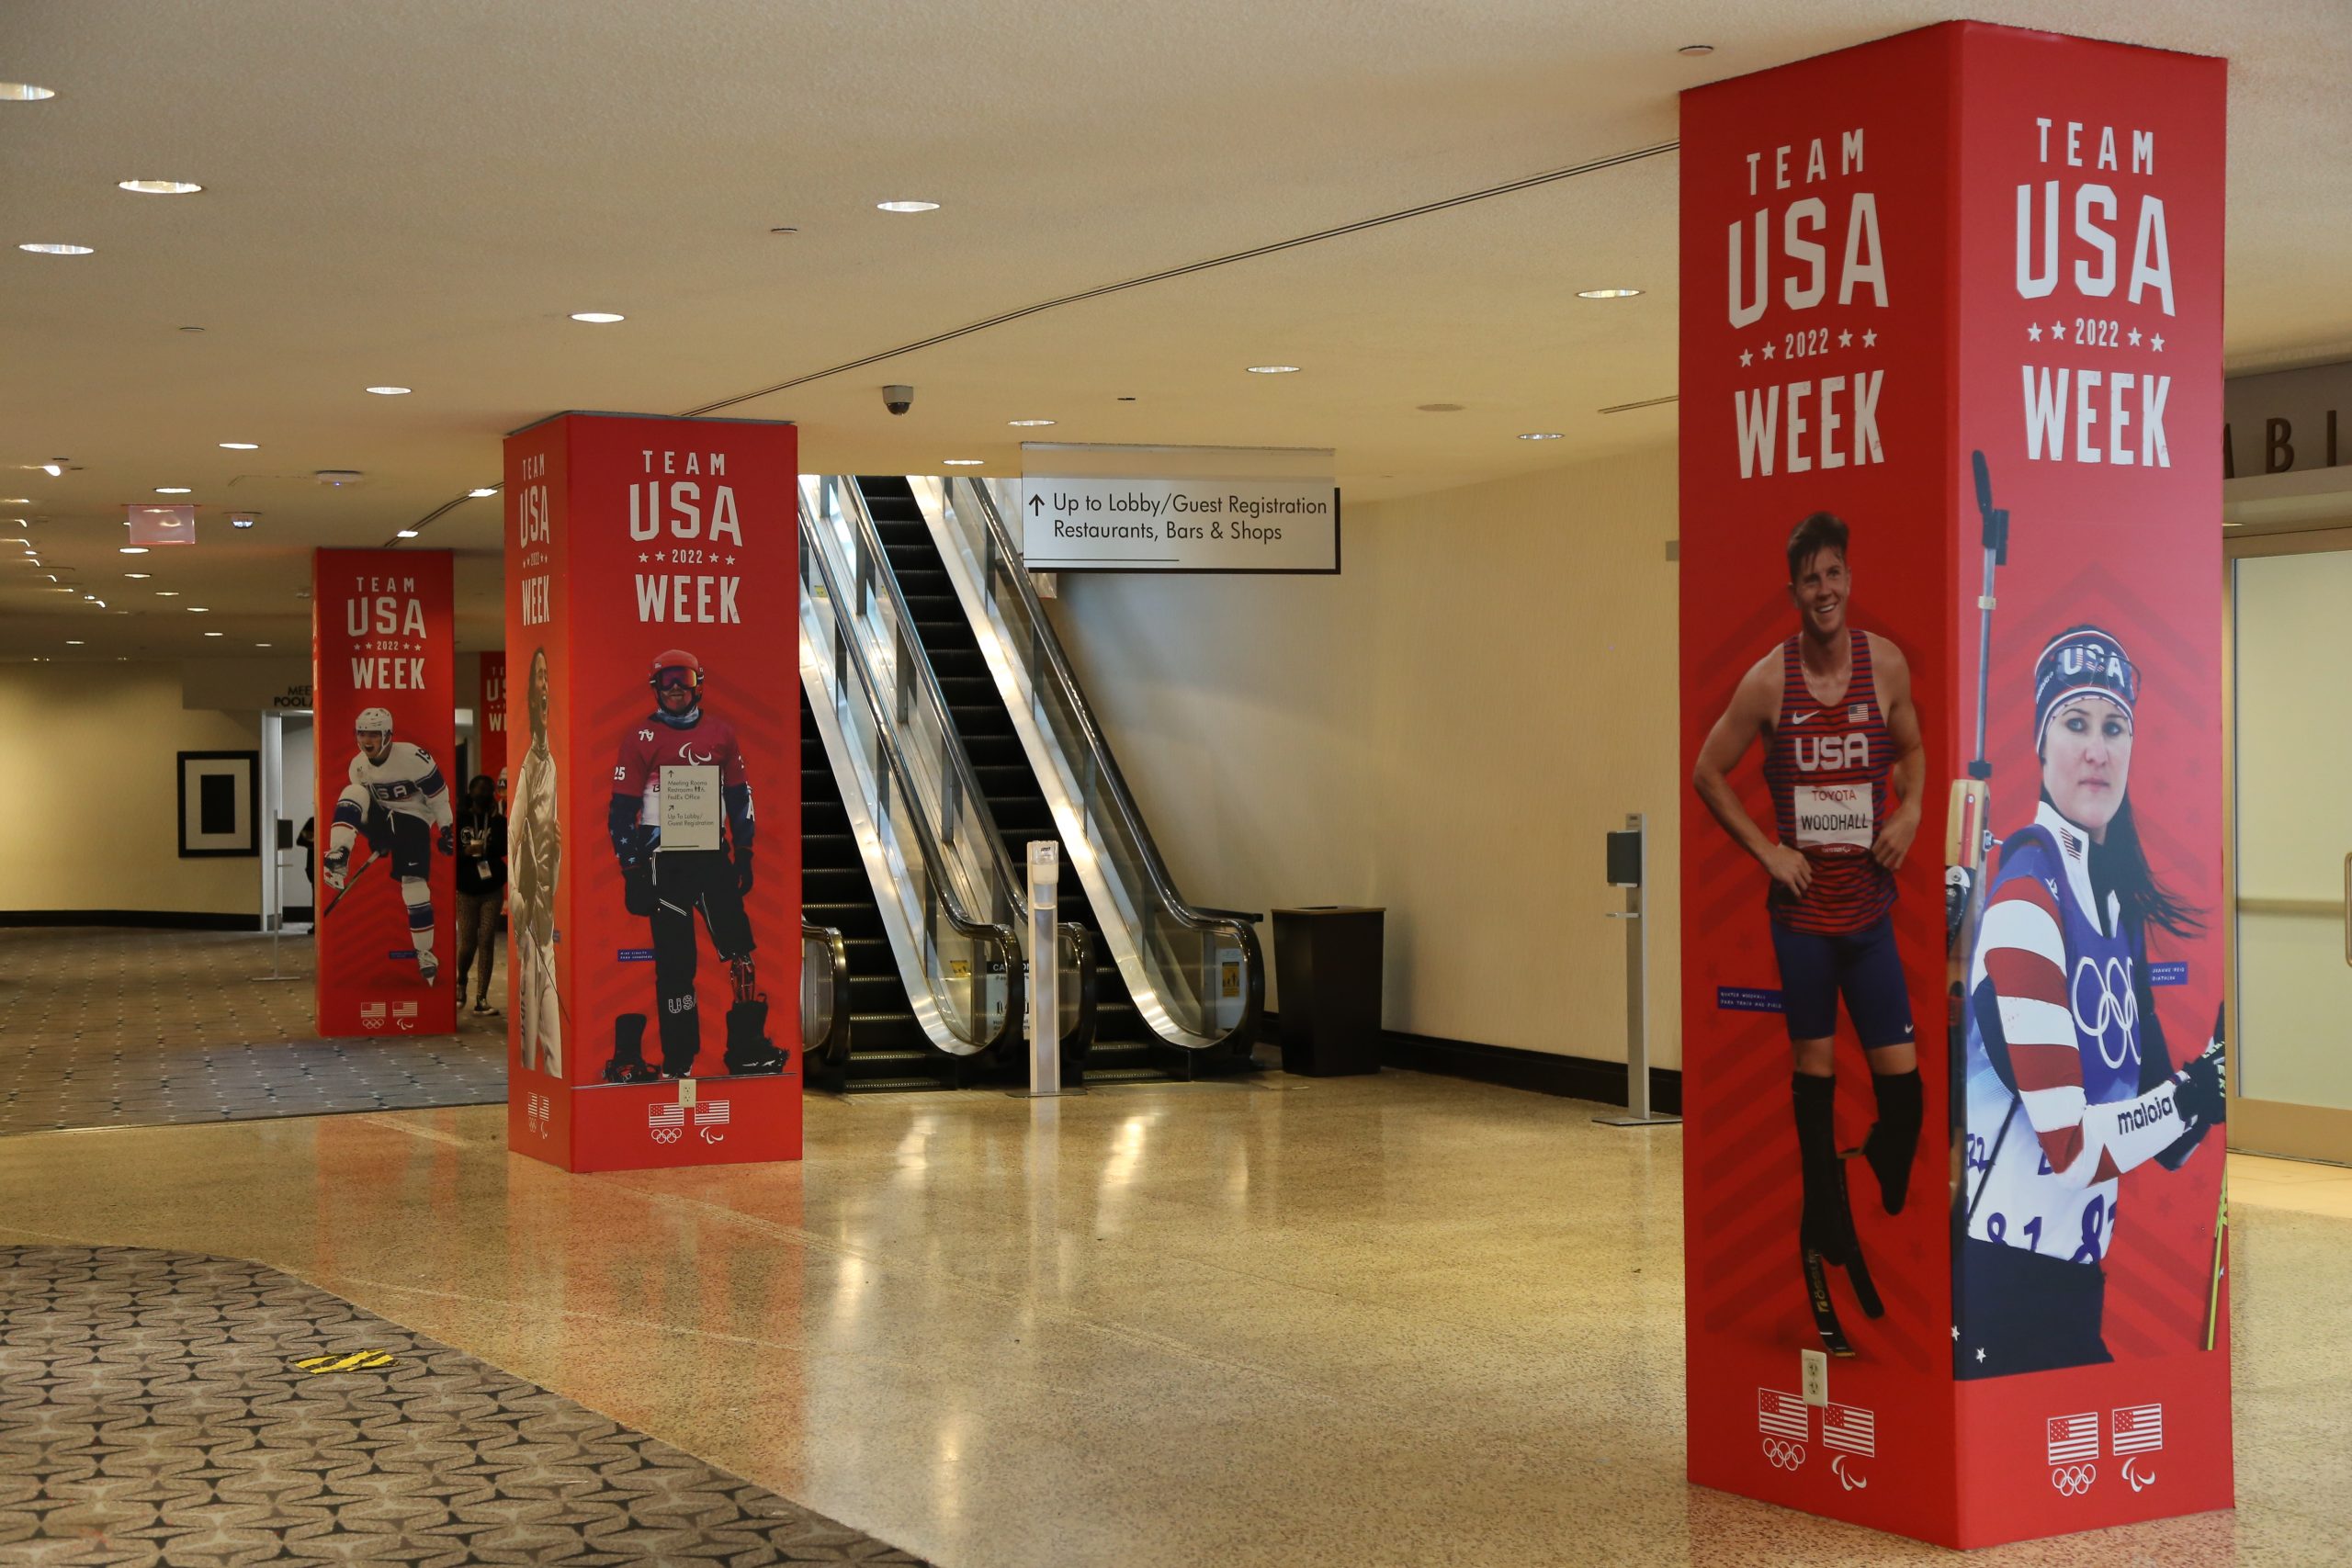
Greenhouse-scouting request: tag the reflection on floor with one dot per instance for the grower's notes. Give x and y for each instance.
(119, 1028)
(1390, 1321)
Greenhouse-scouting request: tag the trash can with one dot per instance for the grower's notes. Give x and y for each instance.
(1327, 967)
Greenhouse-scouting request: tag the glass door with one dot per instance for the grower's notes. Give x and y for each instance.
(2292, 730)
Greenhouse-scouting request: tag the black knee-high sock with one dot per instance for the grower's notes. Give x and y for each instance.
(1895, 1139)
(1825, 1227)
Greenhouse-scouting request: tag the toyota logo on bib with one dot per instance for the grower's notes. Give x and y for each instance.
(2107, 1007)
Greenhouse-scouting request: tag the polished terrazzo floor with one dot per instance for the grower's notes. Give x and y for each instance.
(109, 1028)
(1363, 1322)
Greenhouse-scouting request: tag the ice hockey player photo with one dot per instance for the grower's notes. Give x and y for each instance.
(699, 877)
(398, 802)
(535, 859)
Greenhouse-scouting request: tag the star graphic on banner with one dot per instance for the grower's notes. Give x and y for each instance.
(1980, 1355)
(1746, 358)
(1846, 339)
(2058, 332)
(641, 557)
(2033, 333)
(1955, 1331)
(2135, 337)
(1869, 339)
(2157, 342)
(730, 560)
(1768, 351)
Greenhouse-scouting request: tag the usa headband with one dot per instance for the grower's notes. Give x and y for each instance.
(2081, 662)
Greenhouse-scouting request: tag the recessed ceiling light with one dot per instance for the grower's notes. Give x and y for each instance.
(241, 522)
(785, 228)
(962, 462)
(216, 634)
(138, 576)
(241, 445)
(24, 93)
(1696, 49)
(1542, 435)
(15, 500)
(484, 492)
(908, 206)
(1607, 293)
(408, 533)
(159, 188)
(45, 248)
(261, 645)
(172, 490)
(1438, 408)
(53, 467)
(1028, 423)
(131, 549)
(1273, 370)
(167, 593)
(390, 392)
(198, 610)
(598, 317)
(72, 642)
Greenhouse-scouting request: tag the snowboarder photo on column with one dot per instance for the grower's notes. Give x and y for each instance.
(671, 887)
(399, 803)
(535, 860)
(2070, 1082)
(1845, 765)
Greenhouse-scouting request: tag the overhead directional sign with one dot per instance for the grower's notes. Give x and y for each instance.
(1164, 522)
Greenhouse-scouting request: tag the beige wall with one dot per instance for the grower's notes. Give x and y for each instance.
(91, 796)
(1448, 729)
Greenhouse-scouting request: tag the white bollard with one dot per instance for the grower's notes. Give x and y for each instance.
(1045, 978)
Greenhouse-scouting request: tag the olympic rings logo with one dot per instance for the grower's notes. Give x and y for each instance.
(1782, 1454)
(665, 1135)
(2073, 1480)
(2118, 1006)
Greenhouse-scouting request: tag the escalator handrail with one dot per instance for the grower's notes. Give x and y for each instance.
(832, 1049)
(997, 934)
(1163, 887)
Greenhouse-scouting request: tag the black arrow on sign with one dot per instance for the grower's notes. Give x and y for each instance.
(1037, 504)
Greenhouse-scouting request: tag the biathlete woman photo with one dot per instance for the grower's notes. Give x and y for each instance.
(1844, 758)
(2069, 1081)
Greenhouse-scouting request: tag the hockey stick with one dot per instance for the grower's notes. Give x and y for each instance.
(348, 884)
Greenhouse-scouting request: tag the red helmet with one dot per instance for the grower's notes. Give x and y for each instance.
(677, 659)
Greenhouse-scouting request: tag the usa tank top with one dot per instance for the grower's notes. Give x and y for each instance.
(1828, 769)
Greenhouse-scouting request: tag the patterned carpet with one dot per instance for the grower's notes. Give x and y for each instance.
(168, 1407)
(121, 1027)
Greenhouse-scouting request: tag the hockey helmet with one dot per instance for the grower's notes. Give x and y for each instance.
(676, 667)
(372, 723)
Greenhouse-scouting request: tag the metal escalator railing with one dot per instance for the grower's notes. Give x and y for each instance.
(824, 1003)
(1196, 973)
(962, 970)
(948, 792)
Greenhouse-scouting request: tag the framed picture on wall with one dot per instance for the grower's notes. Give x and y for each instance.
(219, 804)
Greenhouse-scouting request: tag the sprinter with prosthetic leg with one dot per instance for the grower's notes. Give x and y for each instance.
(1846, 764)
(672, 885)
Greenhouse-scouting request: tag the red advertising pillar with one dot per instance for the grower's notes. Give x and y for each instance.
(651, 584)
(1950, 384)
(490, 705)
(382, 688)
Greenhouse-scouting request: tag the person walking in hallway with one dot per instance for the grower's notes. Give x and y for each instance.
(481, 886)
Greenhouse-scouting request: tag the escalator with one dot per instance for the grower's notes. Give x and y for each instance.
(899, 854)
(1192, 979)
(1123, 1047)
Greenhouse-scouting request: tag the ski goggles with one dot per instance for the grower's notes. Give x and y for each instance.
(677, 678)
(2081, 662)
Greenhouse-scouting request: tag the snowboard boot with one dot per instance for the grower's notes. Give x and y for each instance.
(749, 1049)
(1895, 1139)
(628, 1064)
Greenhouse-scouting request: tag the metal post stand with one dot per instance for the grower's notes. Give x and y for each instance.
(1625, 869)
(1044, 864)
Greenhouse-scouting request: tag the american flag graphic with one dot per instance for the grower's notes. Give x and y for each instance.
(372, 1009)
(403, 1010)
(669, 1113)
(712, 1113)
(2137, 1429)
(1850, 1428)
(2074, 1438)
(1782, 1414)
